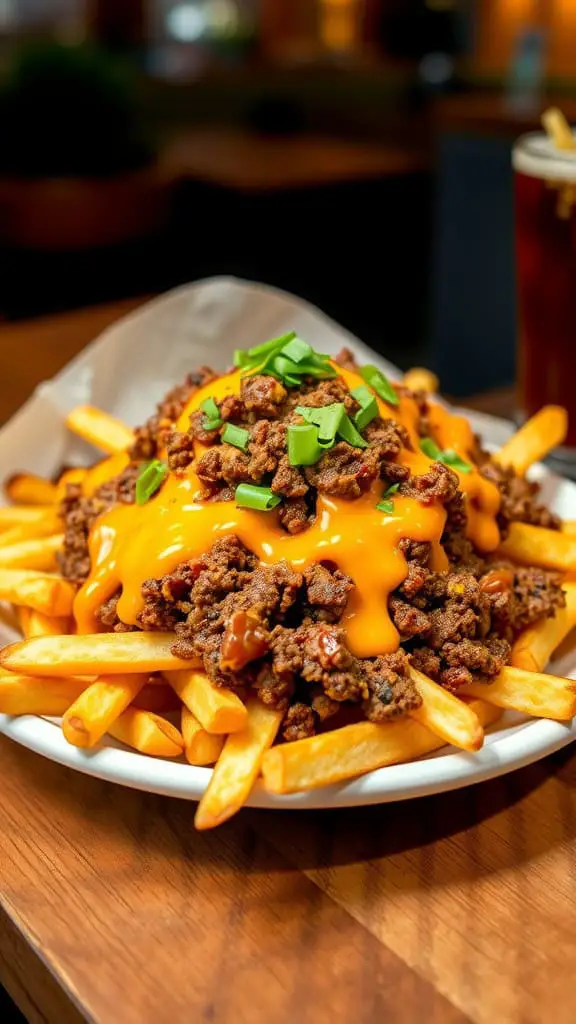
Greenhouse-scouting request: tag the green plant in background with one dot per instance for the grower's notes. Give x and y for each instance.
(70, 111)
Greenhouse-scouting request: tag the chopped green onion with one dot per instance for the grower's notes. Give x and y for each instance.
(297, 350)
(368, 406)
(282, 366)
(236, 436)
(348, 432)
(319, 369)
(329, 423)
(241, 357)
(212, 419)
(380, 384)
(303, 447)
(385, 506)
(274, 345)
(448, 457)
(262, 499)
(311, 413)
(149, 480)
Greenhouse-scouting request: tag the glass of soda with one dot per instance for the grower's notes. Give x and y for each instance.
(545, 209)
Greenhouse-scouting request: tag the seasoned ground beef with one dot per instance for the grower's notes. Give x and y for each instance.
(279, 631)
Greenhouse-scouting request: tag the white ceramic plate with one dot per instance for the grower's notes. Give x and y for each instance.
(513, 743)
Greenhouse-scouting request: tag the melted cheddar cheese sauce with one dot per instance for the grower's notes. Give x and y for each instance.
(133, 543)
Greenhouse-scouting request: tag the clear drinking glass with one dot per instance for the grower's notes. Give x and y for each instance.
(545, 206)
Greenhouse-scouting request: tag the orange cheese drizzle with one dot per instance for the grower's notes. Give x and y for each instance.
(132, 543)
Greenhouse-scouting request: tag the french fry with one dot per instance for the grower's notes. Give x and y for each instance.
(217, 709)
(446, 715)
(352, 750)
(557, 128)
(34, 623)
(421, 379)
(38, 553)
(75, 475)
(157, 698)
(148, 733)
(536, 645)
(535, 439)
(99, 653)
(98, 706)
(27, 515)
(534, 545)
(27, 695)
(41, 591)
(569, 527)
(100, 429)
(200, 747)
(238, 766)
(533, 693)
(49, 524)
(28, 489)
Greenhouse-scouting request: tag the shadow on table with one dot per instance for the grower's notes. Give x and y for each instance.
(499, 824)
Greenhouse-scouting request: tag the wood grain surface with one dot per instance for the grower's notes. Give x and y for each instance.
(453, 908)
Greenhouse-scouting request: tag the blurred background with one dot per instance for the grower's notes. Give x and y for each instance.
(355, 152)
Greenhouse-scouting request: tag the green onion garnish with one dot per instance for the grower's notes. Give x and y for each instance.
(348, 432)
(236, 436)
(381, 385)
(212, 419)
(303, 447)
(241, 357)
(386, 504)
(257, 353)
(288, 358)
(149, 480)
(297, 350)
(260, 498)
(329, 423)
(448, 457)
(368, 406)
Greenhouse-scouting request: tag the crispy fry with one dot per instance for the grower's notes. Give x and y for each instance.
(569, 527)
(26, 515)
(200, 747)
(533, 693)
(100, 429)
(534, 545)
(27, 695)
(50, 523)
(49, 594)
(39, 553)
(103, 471)
(34, 623)
(238, 766)
(557, 128)
(535, 439)
(101, 653)
(157, 698)
(446, 715)
(28, 489)
(217, 709)
(76, 475)
(421, 379)
(536, 645)
(353, 750)
(148, 733)
(98, 706)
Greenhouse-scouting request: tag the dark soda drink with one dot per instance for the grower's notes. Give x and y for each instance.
(545, 206)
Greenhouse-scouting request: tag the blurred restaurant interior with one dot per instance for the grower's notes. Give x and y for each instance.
(355, 152)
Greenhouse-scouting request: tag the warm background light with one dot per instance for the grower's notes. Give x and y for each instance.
(500, 21)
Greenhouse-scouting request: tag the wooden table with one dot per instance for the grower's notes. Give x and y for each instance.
(453, 908)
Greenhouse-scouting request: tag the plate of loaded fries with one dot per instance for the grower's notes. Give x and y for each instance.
(246, 561)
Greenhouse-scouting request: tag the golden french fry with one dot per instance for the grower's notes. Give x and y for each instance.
(238, 766)
(100, 429)
(99, 653)
(27, 695)
(34, 623)
(533, 693)
(76, 475)
(534, 545)
(46, 525)
(352, 750)
(200, 747)
(535, 646)
(569, 527)
(38, 553)
(557, 128)
(39, 518)
(104, 471)
(535, 439)
(217, 709)
(446, 715)
(421, 379)
(41, 591)
(98, 706)
(28, 489)
(148, 733)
